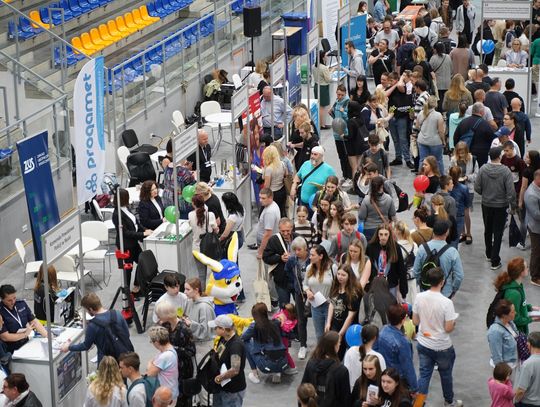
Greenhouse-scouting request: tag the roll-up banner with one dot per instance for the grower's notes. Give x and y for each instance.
(38, 187)
(89, 140)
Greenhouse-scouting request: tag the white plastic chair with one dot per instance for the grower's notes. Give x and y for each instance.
(123, 153)
(237, 81)
(66, 270)
(30, 267)
(501, 63)
(178, 121)
(211, 107)
(97, 230)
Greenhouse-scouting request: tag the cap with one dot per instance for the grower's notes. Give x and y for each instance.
(318, 150)
(223, 321)
(503, 131)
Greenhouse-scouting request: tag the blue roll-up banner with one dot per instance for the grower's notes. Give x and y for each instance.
(38, 187)
(358, 37)
(295, 82)
(89, 139)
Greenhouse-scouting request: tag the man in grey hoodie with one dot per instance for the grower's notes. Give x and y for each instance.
(532, 217)
(494, 183)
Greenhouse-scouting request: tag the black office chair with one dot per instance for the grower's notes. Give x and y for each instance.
(151, 281)
(328, 50)
(140, 168)
(130, 140)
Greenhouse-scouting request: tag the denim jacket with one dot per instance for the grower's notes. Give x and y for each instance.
(296, 270)
(337, 113)
(502, 345)
(397, 352)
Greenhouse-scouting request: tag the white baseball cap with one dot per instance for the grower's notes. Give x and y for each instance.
(223, 321)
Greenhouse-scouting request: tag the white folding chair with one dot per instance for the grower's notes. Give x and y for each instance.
(211, 107)
(123, 153)
(66, 270)
(178, 121)
(30, 267)
(97, 230)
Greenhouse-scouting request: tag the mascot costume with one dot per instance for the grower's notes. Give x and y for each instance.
(224, 283)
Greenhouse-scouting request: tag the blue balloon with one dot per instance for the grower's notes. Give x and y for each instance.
(488, 46)
(360, 226)
(310, 200)
(352, 336)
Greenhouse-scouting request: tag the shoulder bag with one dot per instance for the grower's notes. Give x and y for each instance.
(299, 188)
(260, 286)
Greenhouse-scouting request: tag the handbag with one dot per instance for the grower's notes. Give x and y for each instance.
(210, 244)
(382, 133)
(299, 188)
(260, 286)
(514, 234)
(521, 343)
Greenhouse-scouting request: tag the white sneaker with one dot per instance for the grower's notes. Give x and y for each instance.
(302, 353)
(276, 378)
(347, 183)
(455, 403)
(253, 378)
(290, 371)
(537, 114)
(520, 246)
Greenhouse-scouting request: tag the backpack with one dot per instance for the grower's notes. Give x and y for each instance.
(150, 386)
(116, 341)
(431, 261)
(403, 198)
(409, 262)
(323, 384)
(490, 316)
(338, 239)
(207, 370)
(210, 244)
(426, 44)
(467, 137)
(408, 61)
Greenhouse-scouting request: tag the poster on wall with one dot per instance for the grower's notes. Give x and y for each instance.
(295, 81)
(358, 37)
(329, 20)
(89, 139)
(38, 187)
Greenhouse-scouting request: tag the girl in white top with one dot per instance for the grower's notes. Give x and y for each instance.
(356, 354)
(359, 262)
(235, 218)
(108, 388)
(201, 221)
(274, 177)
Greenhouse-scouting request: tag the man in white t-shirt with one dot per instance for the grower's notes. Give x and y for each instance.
(173, 296)
(268, 221)
(436, 318)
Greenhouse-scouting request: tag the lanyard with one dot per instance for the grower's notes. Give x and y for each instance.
(203, 149)
(17, 317)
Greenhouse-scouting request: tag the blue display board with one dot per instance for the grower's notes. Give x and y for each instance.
(295, 81)
(358, 37)
(38, 187)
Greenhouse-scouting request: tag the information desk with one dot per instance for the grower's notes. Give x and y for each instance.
(70, 371)
(243, 192)
(165, 249)
(521, 78)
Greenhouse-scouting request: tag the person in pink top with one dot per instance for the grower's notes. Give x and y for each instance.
(500, 386)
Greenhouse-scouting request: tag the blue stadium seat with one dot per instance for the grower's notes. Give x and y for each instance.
(154, 11)
(26, 27)
(86, 5)
(67, 11)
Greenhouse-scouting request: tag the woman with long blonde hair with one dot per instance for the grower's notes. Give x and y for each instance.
(463, 159)
(108, 388)
(420, 58)
(274, 177)
(457, 93)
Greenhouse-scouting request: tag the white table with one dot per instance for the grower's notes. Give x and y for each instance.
(219, 118)
(88, 244)
(160, 153)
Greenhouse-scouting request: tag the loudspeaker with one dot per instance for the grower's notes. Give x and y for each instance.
(252, 21)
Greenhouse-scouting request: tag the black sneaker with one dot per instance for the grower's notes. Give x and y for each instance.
(396, 162)
(410, 164)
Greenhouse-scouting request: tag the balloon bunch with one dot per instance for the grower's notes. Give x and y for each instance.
(188, 192)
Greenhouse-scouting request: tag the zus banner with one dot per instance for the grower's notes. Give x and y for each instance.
(89, 138)
(38, 187)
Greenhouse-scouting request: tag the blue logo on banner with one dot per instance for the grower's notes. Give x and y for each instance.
(38, 187)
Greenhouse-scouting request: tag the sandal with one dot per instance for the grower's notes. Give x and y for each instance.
(462, 238)
(468, 239)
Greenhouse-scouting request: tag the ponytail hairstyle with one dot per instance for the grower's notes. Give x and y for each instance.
(403, 230)
(198, 203)
(370, 332)
(455, 173)
(438, 202)
(307, 395)
(515, 267)
(429, 106)
(195, 284)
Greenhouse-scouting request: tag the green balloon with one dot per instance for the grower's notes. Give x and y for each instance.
(188, 192)
(170, 214)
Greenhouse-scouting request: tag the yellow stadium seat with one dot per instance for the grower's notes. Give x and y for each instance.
(121, 25)
(104, 33)
(114, 31)
(137, 18)
(145, 16)
(128, 18)
(96, 39)
(76, 42)
(88, 44)
(35, 20)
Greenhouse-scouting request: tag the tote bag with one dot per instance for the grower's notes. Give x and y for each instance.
(260, 287)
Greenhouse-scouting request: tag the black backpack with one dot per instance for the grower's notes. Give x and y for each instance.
(116, 342)
(207, 370)
(210, 244)
(426, 44)
(490, 316)
(403, 199)
(324, 384)
(409, 262)
(431, 261)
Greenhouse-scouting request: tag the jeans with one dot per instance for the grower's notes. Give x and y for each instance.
(534, 263)
(278, 133)
(265, 364)
(494, 220)
(284, 296)
(437, 151)
(398, 130)
(318, 315)
(302, 320)
(445, 362)
(225, 399)
(343, 159)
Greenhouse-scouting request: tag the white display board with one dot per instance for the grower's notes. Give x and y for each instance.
(239, 102)
(277, 70)
(62, 238)
(502, 10)
(185, 143)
